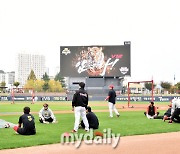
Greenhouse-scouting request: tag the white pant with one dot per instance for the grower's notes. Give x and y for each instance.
(150, 117)
(112, 108)
(80, 111)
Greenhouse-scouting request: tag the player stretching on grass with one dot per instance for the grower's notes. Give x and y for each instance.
(175, 110)
(46, 115)
(79, 104)
(92, 119)
(28, 123)
(112, 101)
(151, 111)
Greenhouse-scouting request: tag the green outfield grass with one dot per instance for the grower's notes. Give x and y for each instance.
(129, 123)
(60, 106)
(55, 106)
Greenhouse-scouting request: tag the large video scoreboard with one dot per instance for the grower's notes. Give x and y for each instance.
(95, 61)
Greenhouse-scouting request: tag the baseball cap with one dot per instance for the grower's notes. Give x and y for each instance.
(88, 108)
(111, 86)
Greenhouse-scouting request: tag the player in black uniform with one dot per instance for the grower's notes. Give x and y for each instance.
(166, 115)
(92, 119)
(151, 111)
(112, 101)
(79, 104)
(28, 123)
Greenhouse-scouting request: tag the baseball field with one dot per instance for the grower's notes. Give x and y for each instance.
(131, 122)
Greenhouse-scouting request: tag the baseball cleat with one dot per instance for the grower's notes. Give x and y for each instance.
(170, 122)
(73, 131)
(7, 125)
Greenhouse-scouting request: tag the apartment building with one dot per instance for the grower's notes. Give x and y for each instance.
(26, 63)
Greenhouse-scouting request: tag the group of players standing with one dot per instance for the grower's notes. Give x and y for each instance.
(80, 105)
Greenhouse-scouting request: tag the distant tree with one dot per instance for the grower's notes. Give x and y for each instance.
(38, 85)
(32, 76)
(46, 77)
(45, 86)
(60, 79)
(3, 84)
(173, 89)
(178, 86)
(166, 85)
(16, 84)
(148, 85)
(29, 84)
(55, 86)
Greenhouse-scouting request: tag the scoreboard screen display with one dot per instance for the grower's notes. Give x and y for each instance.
(95, 61)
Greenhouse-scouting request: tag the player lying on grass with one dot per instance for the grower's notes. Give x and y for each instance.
(6, 124)
(27, 120)
(166, 115)
(92, 119)
(46, 115)
(151, 111)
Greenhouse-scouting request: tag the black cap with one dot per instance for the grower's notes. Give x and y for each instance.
(82, 84)
(88, 108)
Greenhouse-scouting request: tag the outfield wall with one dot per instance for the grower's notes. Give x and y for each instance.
(91, 98)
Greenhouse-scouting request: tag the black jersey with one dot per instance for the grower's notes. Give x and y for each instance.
(168, 112)
(28, 125)
(112, 96)
(92, 120)
(80, 98)
(151, 110)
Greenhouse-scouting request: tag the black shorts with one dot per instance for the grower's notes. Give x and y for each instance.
(22, 131)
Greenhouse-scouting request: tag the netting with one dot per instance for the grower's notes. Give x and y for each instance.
(20, 94)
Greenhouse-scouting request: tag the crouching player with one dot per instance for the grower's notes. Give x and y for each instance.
(46, 115)
(92, 119)
(27, 120)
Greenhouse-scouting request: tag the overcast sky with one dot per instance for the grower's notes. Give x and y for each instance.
(42, 26)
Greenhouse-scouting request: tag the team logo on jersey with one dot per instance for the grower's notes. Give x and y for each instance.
(66, 51)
